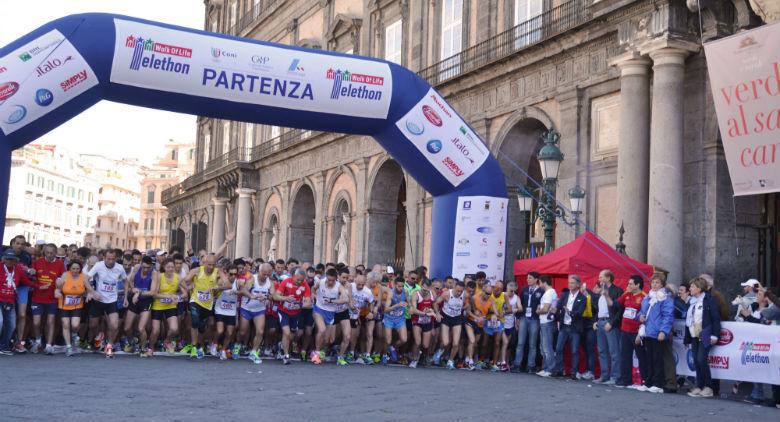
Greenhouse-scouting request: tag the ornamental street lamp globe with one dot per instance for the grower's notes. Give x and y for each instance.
(550, 156)
(525, 199)
(576, 198)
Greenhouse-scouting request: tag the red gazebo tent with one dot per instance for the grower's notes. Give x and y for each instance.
(585, 256)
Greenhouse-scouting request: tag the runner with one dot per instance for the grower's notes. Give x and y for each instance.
(380, 291)
(255, 297)
(513, 309)
(142, 285)
(482, 308)
(494, 330)
(226, 312)
(449, 308)
(106, 275)
(306, 322)
(423, 315)
(71, 291)
(12, 275)
(202, 284)
(47, 269)
(394, 320)
(361, 319)
(295, 295)
(411, 286)
(341, 318)
(165, 306)
(328, 294)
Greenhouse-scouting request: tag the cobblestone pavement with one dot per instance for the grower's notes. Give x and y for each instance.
(91, 388)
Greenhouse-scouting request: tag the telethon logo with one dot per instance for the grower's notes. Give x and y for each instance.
(344, 85)
(43, 97)
(433, 146)
(166, 64)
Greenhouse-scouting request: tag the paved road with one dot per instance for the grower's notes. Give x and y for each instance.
(89, 387)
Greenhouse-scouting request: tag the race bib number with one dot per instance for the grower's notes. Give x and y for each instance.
(424, 319)
(228, 306)
(397, 312)
(629, 313)
(72, 300)
(528, 312)
(204, 296)
(493, 324)
(108, 288)
(166, 300)
(292, 305)
(509, 321)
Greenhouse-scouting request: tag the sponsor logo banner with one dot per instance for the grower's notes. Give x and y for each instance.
(443, 138)
(38, 78)
(150, 56)
(479, 242)
(744, 72)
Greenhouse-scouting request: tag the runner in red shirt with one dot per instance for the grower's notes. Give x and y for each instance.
(47, 270)
(292, 294)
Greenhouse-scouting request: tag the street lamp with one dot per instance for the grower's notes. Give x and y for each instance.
(550, 158)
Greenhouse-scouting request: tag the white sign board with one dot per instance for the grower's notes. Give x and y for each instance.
(150, 56)
(443, 138)
(745, 79)
(480, 237)
(40, 77)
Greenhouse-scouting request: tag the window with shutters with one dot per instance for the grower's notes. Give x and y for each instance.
(393, 41)
(451, 36)
(528, 22)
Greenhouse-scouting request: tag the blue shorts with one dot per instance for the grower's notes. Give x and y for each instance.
(493, 330)
(199, 317)
(43, 308)
(249, 315)
(328, 316)
(394, 323)
(509, 331)
(292, 321)
(23, 295)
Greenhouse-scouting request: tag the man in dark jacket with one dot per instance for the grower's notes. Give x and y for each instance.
(570, 308)
(528, 332)
(607, 315)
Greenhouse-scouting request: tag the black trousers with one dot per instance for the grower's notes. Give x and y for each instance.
(654, 351)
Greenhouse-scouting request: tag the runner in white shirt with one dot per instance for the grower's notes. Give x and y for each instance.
(361, 318)
(329, 294)
(106, 274)
(512, 308)
(225, 313)
(255, 294)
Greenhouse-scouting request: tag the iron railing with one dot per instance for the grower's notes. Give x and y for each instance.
(533, 31)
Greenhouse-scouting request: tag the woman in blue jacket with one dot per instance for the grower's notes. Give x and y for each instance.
(702, 330)
(657, 316)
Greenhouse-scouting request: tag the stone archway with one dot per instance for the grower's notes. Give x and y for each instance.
(516, 154)
(301, 234)
(387, 228)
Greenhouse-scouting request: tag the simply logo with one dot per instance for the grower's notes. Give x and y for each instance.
(142, 45)
(433, 146)
(754, 353)
(431, 115)
(43, 97)
(414, 127)
(18, 113)
(718, 362)
(218, 53)
(7, 90)
(452, 166)
(353, 85)
(50, 65)
(73, 80)
(485, 230)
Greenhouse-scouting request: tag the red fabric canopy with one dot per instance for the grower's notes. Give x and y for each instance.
(585, 256)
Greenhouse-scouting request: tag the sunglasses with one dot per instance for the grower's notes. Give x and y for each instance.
(233, 274)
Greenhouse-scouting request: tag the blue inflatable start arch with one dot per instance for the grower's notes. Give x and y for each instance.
(59, 70)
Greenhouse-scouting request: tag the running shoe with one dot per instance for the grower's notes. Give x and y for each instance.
(360, 360)
(340, 361)
(403, 361)
(494, 368)
(505, 367)
(413, 364)
(255, 357)
(144, 354)
(450, 365)
(543, 374)
(279, 355)
(385, 359)
(188, 349)
(213, 350)
(268, 352)
(223, 354)
(350, 357)
(98, 341)
(315, 358)
(437, 356)
(393, 354)
(199, 354)
(109, 350)
(128, 347)
(286, 359)
(35, 347)
(304, 356)
(367, 359)
(471, 366)
(376, 357)
(169, 347)
(236, 351)
(19, 348)
(69, 351)
(480, 365)
(49, 350)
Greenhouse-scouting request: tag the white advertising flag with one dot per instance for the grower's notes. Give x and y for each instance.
(480, 237)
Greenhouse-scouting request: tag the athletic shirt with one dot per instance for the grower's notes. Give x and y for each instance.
(341, 307)
(72, 290)
(257, 305)
(298, 292)
(204, 284)
(107, 280)
(167, 287)
(423, 304)
(397, 312)
(509, 317)
(499, 301)
(143, 283)
(227, 302)
(324, 292)
(482, 306)
(453, 306)
(361, 299)
(409, 292)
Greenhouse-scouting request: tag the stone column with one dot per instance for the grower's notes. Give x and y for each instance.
(665, 217)
(319, 217)
(633, 153)
(360, 210)
(218, 223)
(244, 222)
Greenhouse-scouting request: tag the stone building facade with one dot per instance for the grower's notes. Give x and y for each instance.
(623, 81)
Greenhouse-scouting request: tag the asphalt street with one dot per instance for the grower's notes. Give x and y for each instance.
(89, 387)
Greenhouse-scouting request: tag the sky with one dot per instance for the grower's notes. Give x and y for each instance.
(105, 129)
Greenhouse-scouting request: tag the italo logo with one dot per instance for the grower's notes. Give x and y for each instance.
(50, 65)
(7, 90)
(218, 53)
(485, 230)
(452, 166)
(73, 80)
(414, 127)
(754, 353)
(431, 115)
(18, 112)
(461, 146)
(140, 60)
(43, 97)
(726, 337)
(353, 85)
(433, 146)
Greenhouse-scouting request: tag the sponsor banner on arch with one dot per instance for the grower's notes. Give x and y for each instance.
(443, 138)
(744, 74)
(150, 56)
(38, 78)
(480, 237)
(745, 352)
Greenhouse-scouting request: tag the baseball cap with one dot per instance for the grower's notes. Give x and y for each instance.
(9, 254)
(390, 270)
(160, 253)
(40, 242)
(752, 283)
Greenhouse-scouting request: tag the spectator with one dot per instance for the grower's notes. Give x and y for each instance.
(570, 309)
(702, 330)
(12, 276)
(546, 312)
(681, 301)
(656, 316)
(528, 331)
(606, 326)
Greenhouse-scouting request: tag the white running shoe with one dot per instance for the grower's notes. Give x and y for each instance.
(656, 390)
